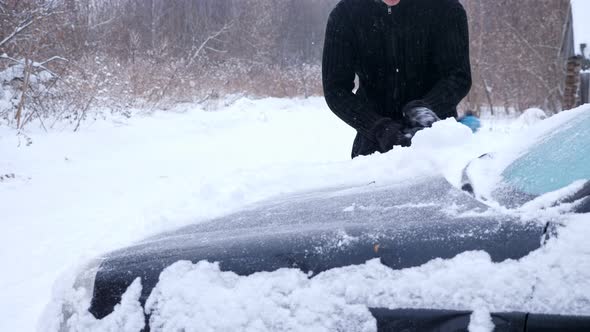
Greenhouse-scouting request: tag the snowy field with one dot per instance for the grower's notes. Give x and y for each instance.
(67, 197)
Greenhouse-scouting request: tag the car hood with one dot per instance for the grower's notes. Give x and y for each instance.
(403, 225)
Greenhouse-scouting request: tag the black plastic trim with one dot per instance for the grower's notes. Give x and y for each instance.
(425, 320)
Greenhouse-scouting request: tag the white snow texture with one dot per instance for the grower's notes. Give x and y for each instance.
(74, 196)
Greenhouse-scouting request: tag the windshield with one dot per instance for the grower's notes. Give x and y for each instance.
(561, 158)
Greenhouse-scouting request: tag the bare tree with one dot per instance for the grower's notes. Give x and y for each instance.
(517, 56)
(24, 51)
(142, 52)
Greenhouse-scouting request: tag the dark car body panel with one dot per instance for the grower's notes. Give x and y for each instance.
(421, 320)
(404, 225)
(582, 198)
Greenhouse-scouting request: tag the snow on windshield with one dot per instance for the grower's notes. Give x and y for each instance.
(551, 155)
(556, 161)
(187, 187)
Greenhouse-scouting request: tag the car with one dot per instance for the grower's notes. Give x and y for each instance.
(403, 225)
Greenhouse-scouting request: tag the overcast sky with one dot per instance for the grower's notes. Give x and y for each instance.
(581, 22)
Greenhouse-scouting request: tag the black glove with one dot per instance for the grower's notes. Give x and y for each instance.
(410, 132)
(388, 133)
(420, 116)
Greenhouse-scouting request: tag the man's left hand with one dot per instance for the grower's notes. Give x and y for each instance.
(420, 117)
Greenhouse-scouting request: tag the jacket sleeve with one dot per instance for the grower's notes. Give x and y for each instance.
(451, 60)
(338, 73)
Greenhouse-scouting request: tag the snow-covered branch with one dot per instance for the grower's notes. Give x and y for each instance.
(216, 50)
(107, 22)
(38, 65)
(28, 17)
(21, 27)
(53, 58)
(210, 38)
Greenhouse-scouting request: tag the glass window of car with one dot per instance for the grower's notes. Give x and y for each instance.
(561, 158)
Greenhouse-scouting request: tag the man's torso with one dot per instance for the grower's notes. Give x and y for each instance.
(394, 50)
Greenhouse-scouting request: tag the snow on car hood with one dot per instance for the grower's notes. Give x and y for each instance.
(554, 279)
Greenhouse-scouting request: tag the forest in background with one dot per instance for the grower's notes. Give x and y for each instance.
(64, 57)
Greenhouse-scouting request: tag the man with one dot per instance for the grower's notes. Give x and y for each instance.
(412, 61)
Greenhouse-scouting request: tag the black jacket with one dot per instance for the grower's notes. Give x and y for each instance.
(412, 54)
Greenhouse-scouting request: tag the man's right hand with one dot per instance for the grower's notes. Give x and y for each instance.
(388, 134)
(411, 132)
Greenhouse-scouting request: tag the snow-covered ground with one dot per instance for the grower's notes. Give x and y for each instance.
(71, 196)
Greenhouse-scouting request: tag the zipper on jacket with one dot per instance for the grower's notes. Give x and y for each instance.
(395, 68)
(388, 10)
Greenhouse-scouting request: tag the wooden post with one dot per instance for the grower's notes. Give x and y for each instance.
(27, 72)
(585, 88)
(572, 82)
